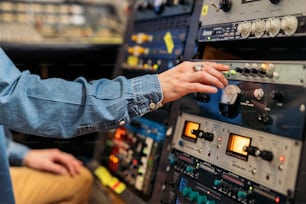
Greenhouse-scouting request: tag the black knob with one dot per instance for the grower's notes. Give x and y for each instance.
(203, 97)
(201, 134)
(238, 69)
(266, 155)
(226, 5)
(254, 71)
(277, 95)
(264, 119)
(274, 1)
(252, 150)
(262, 72)
(208, 136)
(246, 71)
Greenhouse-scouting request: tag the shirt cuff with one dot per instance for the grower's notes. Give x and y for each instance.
(147, 94)
(17, 154)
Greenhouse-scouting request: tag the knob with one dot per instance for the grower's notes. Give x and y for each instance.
(259, 93)
(264, 119)
(266, 155)
(277, 95)
(252, 150)
(289, 25)
(228, 105)
(238, 69)
(258, 28)
(225, 5)
(158, 6)
(138, 50)
(244, 29)
(201, 134)
(141, 38)
(203, 97)
(274, 1)
(273, 26)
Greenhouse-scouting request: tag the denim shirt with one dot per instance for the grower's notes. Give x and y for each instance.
(15, 151)
(59, 108)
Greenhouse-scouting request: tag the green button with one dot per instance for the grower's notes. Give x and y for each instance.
(232, 71)
(194, 195)
(186, 191)
(201, 199)
(217, 182)
(210, 202)
(242, 194)
(189, 169)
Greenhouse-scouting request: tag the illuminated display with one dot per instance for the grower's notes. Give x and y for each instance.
(187, 132)
(235, 146)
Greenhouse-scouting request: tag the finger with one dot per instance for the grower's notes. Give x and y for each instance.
(69, 162)
(203, 88)
(210, 68)
(73, 164)
(219, 75)
(218, 66)
(205, 77)
(56, 168)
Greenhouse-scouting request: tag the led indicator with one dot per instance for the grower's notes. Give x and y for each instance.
(277, 200)
(282, 158)
(113, 159)
(135, 162)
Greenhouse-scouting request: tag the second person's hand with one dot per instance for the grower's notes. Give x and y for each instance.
(53, 160)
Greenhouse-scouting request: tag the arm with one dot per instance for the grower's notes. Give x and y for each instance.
(55, 107)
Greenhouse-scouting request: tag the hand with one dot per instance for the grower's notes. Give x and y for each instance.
(53, 160)
(183, 79)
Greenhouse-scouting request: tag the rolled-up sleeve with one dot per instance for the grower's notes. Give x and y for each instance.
(59, 108)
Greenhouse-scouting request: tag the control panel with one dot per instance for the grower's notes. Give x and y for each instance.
(132, 154)
(157, 36)
(243, 144)
(251, 19)
(240, 160)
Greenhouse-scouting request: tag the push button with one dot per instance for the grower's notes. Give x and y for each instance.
(122, 123)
